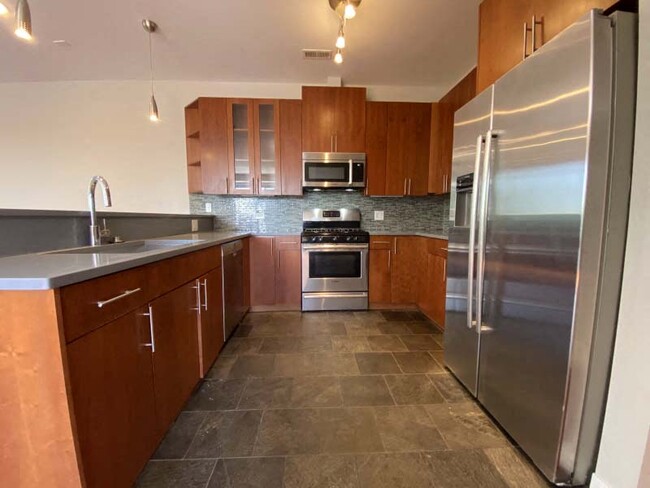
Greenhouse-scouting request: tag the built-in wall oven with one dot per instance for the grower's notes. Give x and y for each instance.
(334, 261)
(322, 170)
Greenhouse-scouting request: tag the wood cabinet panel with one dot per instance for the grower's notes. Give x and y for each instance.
(419, 120)
(376, 145)
(241, 146)
(213, 139)
(210, 288)
(333, 119)
(291, 146)
(262, 271)
(318, 118)
(247, 272)
(379, 276)
(287, 277)
(442, 133)
(501, 38)
(433, 286)
(350, 119)
(397, 150)
(111, 380)
(406, 268)
(266, 130)
(557, 15)
(176, 355)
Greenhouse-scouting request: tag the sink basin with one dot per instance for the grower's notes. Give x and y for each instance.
(134, 247)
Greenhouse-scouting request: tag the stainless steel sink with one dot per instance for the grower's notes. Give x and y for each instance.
(133, 247)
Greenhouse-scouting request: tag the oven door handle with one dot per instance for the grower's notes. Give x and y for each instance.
(335, 247)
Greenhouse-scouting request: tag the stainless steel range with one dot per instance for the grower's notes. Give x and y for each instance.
(334, 260)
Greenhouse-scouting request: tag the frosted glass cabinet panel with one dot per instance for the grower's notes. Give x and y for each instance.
(254, 148)
(267, 119)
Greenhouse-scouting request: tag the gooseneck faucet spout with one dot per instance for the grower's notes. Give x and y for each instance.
(106, 192)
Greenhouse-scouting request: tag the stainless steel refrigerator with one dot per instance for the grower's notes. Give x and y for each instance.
(540, 192)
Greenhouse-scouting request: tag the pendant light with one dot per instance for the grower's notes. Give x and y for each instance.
(23, 20)
(150, 26)
(350, 10)
(3, 9)
(338, 57)
(340, 40)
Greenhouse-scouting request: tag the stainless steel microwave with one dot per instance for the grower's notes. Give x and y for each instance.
(333, 170)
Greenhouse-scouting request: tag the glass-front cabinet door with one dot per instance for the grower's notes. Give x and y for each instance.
(267, 168)
(241, 146)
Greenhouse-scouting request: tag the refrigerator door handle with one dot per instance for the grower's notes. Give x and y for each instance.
(472, 233)
(482, 225)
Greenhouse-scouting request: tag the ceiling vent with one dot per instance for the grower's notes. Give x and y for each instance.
(317, 54)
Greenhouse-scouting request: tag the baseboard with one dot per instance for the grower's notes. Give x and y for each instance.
(392, 306)
(275, 308)
(596, 482)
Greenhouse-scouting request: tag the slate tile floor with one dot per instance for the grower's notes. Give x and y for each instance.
(334, 400)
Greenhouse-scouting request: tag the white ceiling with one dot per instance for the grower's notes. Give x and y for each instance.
(399, 42)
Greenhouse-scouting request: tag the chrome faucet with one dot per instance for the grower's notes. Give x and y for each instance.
(95, 237)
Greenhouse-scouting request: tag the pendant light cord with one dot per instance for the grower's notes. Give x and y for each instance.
(151, 62)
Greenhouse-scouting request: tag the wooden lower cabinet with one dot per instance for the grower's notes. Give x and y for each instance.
(176, 350)
(409, 271)
(406, 269)
(112, 384)
(275, 265)
(211, 332)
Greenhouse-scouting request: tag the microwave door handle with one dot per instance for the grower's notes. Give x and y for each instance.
(350, 176)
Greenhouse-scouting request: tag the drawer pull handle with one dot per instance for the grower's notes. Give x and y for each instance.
(151, 344)
(381, 242)
(444, 249)
(118, 297)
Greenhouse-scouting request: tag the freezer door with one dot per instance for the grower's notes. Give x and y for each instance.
(471, 123)
(549, 116)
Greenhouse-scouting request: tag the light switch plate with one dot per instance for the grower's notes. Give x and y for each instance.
(208, 207)
(379, 215)
(195, 225)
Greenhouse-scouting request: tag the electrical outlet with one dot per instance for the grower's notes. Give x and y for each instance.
(379, 215)
(195, 225)
(208, 207)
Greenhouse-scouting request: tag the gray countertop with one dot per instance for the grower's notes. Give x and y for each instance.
(45, 271)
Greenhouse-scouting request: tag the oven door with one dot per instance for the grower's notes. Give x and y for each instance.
(334, 267)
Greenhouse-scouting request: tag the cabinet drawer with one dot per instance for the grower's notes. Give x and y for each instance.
(119, 293)
(90, 304)
(382, 242)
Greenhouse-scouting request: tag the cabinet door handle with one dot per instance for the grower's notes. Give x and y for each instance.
(535, 23)
(410, 182)
(205, 294)
(198, 296)
(227, 185)
(336, 142)
(526, 31)
(103, 303)
(395, 246)
(253, 185)
(332, 143)
(151, 344)
(404, 186)
(389, 259)
(381, 242)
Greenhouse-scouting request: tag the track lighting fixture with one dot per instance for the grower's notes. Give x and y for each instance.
(23, 20)
(345, 9)
(150, 26)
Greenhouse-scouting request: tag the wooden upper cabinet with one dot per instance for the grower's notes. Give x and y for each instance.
(502, 43)
(333, 119)
(291, 146)
(376, 141)
(242, 146)
(557, 15)
(206, 133)
(397, 137)
(442, 132)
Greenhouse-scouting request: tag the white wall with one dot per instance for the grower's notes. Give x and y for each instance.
(625, 432)
(55, 136)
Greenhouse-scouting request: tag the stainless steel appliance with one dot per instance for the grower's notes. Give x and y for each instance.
(234, 308)
(541, 176)
(334, 260)
(323, 170)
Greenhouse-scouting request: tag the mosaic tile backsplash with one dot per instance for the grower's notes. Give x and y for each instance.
(283, 215)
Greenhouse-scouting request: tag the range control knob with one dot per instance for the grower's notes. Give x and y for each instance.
(335, 238)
